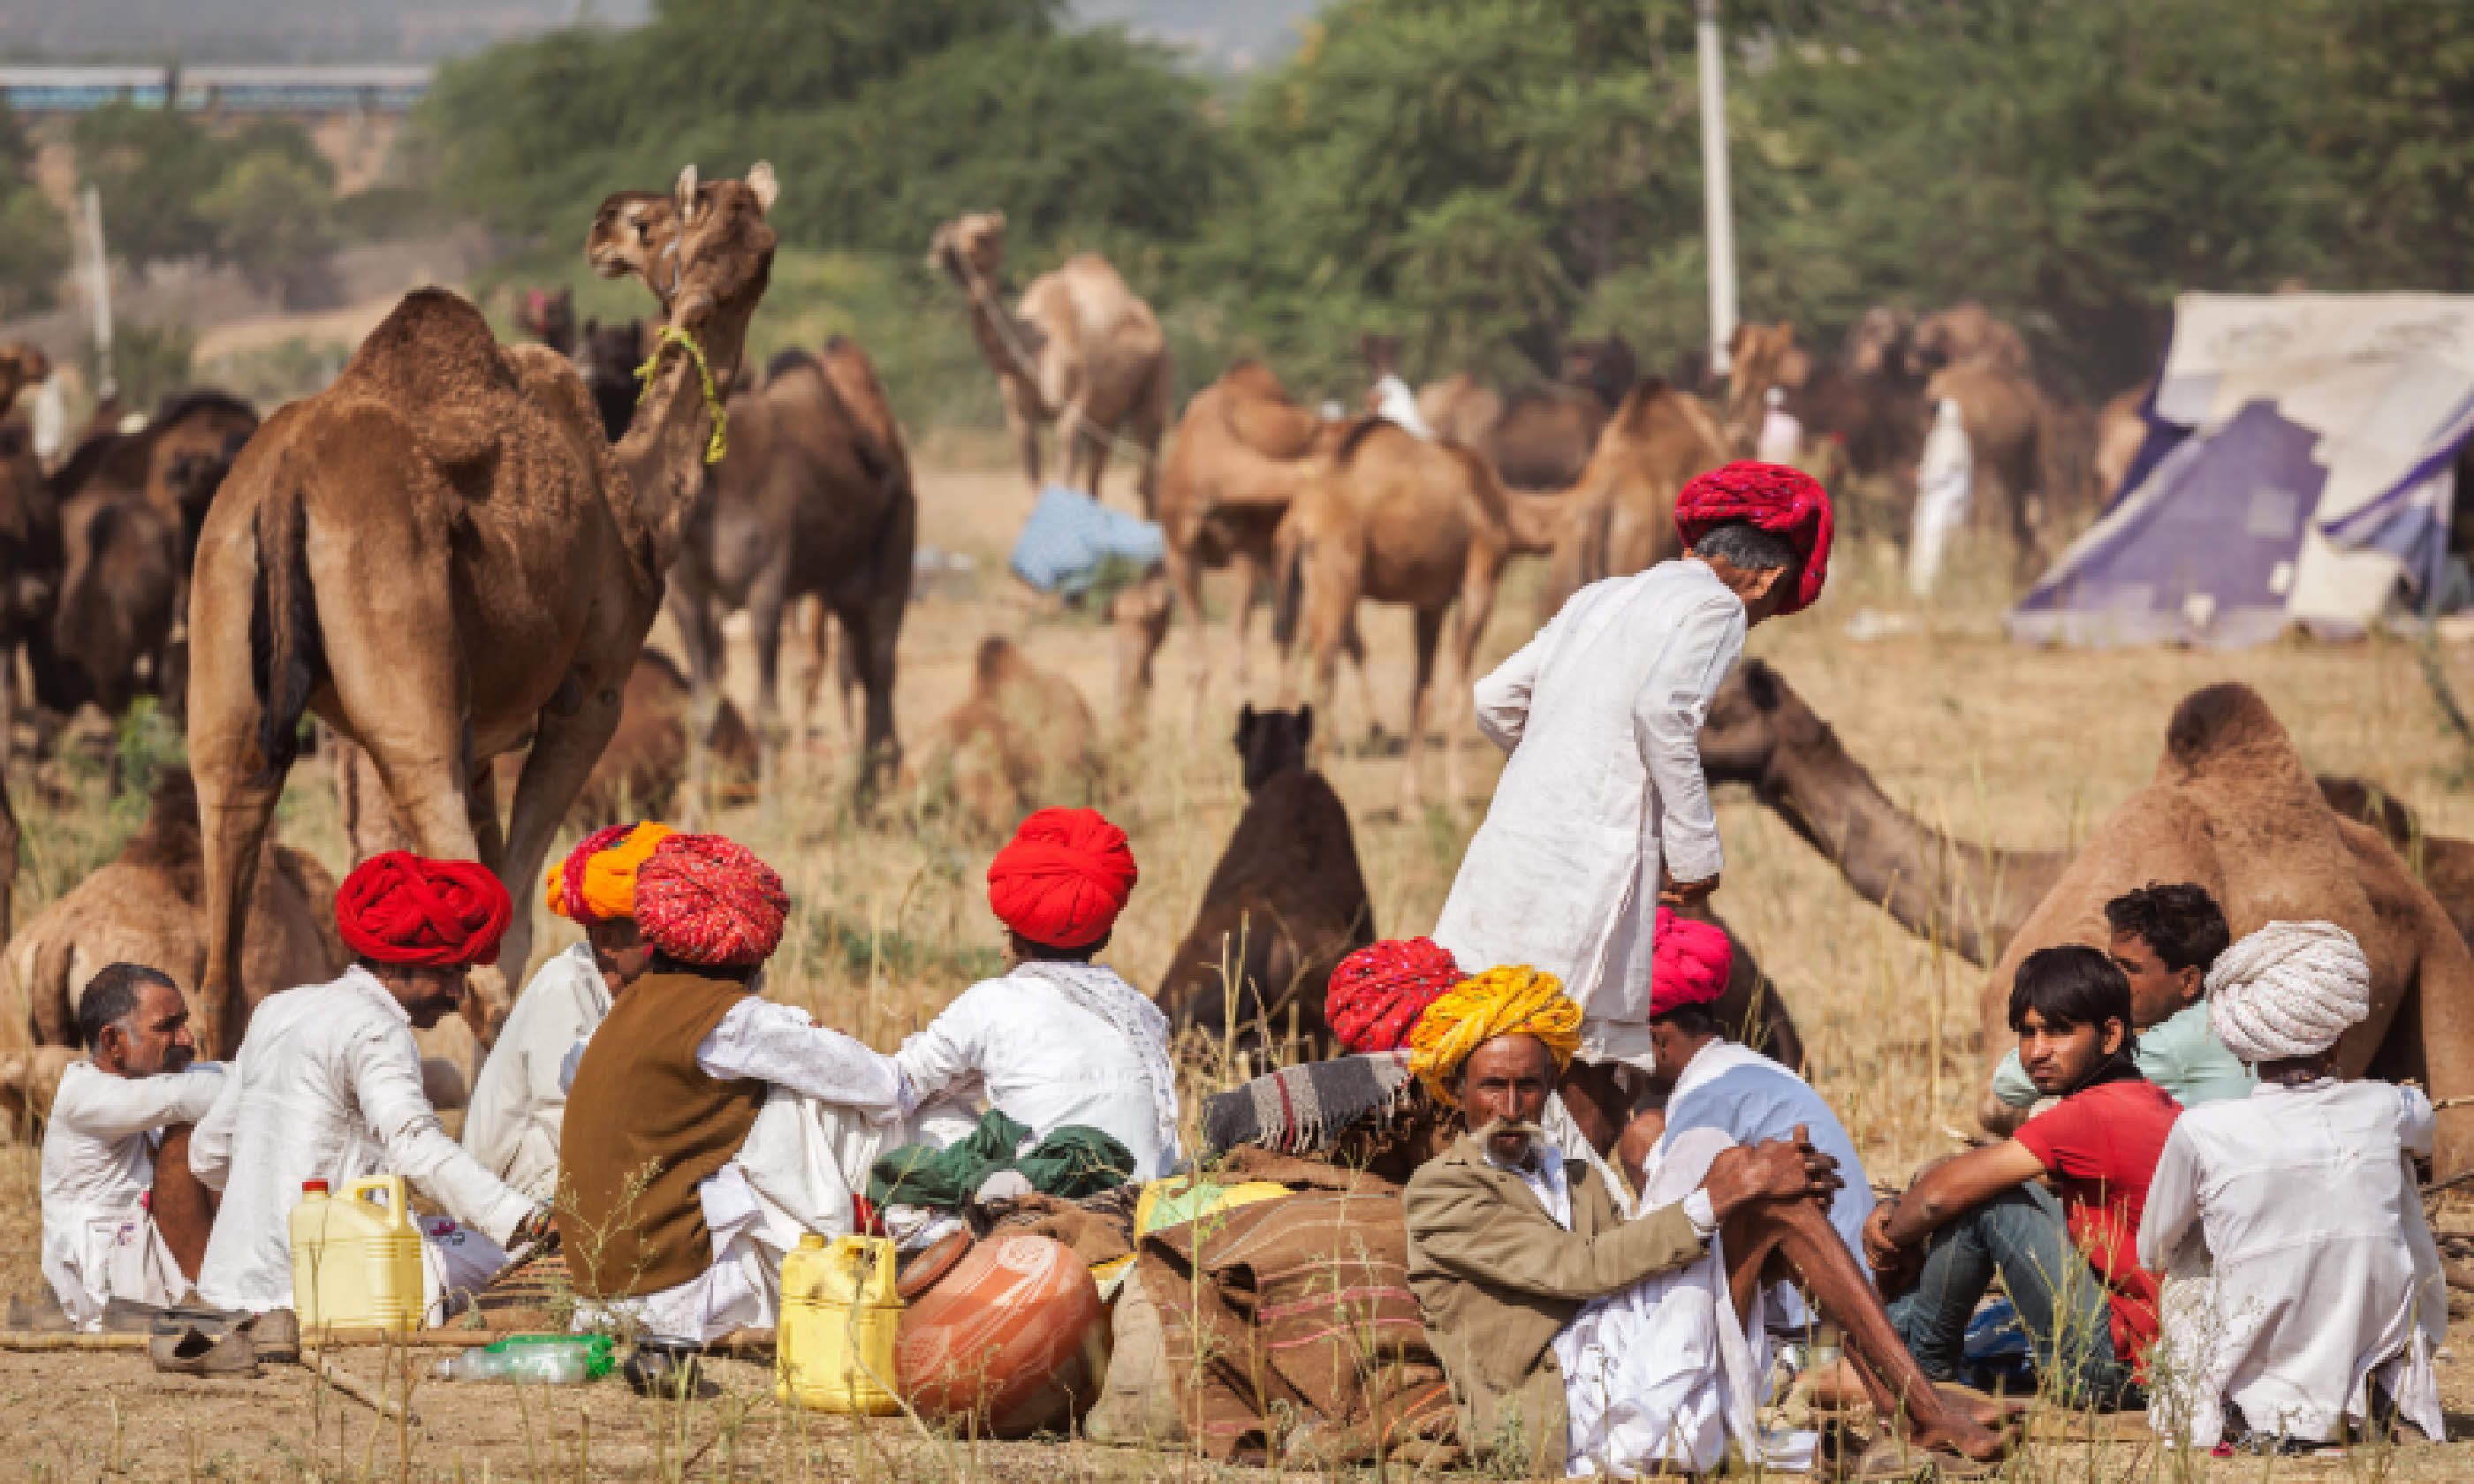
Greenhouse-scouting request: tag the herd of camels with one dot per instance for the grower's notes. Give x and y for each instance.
(450, 557)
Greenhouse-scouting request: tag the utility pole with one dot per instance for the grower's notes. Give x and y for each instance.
(98, 292)
(1716, 211)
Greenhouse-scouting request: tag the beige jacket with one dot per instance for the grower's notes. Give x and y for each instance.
(1496, 1279)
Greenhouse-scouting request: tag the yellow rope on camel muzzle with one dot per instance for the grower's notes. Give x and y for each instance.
(719, 444)
(1513, 1000)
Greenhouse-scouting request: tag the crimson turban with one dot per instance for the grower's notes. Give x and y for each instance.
(1379, 992)
(1688, 963)
(1063, 879)
(400, 908)
(708, 899)
(1773, 497)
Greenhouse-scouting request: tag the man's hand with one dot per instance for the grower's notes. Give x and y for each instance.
(1882, 1254)
(1779, 1169)
(1683, 894)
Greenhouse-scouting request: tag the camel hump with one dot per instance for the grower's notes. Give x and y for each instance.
(434, 359)
(789, 359)
(2226, 726)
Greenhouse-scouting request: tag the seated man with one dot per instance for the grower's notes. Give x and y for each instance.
(2069, 1266)
(518, 1103)
(2298, 1210)
(663, 1219)
(1060, 1039)
(327, 1086)
(122, 1215)
(2164, 940)
(1575, 1340)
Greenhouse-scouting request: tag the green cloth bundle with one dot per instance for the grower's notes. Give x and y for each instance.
(1073, 1163)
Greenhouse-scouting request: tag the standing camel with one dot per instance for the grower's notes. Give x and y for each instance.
(441, 555)
(1540, 437)
(1080, 350)
(1618, 517)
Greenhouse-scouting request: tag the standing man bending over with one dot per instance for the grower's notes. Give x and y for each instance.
(122, 1217)
(1602, 812)
(328, 1087)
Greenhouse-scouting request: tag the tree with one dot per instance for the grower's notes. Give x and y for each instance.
(268, 213)
(150, 166)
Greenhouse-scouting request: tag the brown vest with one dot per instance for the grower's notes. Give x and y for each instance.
(644, 1125)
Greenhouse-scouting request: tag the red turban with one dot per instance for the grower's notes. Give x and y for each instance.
(1773, 497)
(1377, 993)
(1063, 879)
(1690, 961)
(708, 899)
(399, 908)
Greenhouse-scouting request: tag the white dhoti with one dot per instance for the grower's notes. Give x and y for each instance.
(115, 1255)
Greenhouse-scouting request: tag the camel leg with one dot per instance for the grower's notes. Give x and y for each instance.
(1430, 630)
(183, 1207)
(1477, 607)
(1770, 1241)
(1150, 420)
(9, 833)
(1185, 580)
(563, 752)
(692, 609)
(1086, 448)
(2446, 978)
(1023, 425)
(872, 636)
(765, 601)
(235, 808)
(1243, 571)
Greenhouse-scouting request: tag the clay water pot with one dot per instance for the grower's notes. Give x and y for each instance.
(1010, 1340)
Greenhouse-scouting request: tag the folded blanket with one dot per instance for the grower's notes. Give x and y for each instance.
(1073, 1162)
(1300, 1109)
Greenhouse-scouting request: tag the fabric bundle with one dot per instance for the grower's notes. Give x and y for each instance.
(2288, 990)
(707, 899)
(1300, 1109)
(1379, 992)
(1772, 496)
(1513, 999)
(1689, 962)
(402, 908)
(596, 881)
(1073, 1162)
(1063, 879)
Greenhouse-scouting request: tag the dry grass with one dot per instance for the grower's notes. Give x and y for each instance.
(2008, 744)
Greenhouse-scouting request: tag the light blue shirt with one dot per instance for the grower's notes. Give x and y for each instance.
(2180, 1054)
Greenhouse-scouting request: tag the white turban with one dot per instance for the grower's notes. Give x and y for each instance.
(2288, 990)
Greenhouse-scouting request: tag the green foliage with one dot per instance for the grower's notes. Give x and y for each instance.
(34, 251)
(268, 213)
(149, 362)
(2403, 101)
(260, 197)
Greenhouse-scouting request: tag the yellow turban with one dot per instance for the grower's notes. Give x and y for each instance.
(1513, 1000)
(596, 881)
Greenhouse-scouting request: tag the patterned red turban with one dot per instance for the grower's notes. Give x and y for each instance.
(1063, 879)
(707, 899)
(400, 908)
(1773, 497)
(1690, 961)
(1378, 991)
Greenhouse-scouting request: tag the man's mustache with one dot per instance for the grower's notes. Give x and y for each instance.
(1528, 1131)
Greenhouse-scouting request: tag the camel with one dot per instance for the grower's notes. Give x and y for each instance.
(807, 501)
(1284, 905)
(1538, 438)
(1022, 738)
(31, 559)
(1080, 348)
(608, 356)
(1619, 515)
(1963, 333)
(548, 315)
(639, 773)
(1398, 519)
(2121, 432)
(439, 556)
(1760, 356)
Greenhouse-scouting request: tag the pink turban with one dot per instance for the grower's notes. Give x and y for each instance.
(1690, 961)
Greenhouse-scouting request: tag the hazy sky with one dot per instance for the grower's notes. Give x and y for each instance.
(1223, 33)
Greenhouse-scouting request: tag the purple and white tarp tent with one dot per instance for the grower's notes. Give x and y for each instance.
(2299, 471)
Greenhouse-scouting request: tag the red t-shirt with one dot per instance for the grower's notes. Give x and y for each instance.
(2101, 1146)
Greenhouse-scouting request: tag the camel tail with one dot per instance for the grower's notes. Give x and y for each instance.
(287, 653)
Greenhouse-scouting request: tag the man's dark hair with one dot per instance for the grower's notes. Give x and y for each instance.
(2181, 922)
(1690, 1019)
(2070, 987)
(111, 996)
(1747, 546)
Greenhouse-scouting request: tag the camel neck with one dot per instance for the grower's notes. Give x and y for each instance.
(1006, 342)
(663, 452)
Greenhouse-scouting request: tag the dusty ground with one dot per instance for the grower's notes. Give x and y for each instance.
(2014, 746)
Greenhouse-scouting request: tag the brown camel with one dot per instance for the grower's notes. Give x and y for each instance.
(1080, 350)
(639, 773)
(1538, 438)
(1619, 515)
(2005, 417)
(31, 559)
(807, 501)
(1962, 333)
(548, 315)
(1398, 519)
(1284, 905)
(1760, 356)
(1021, 739)
(607, 356)
(2121, 432)
(439, 556)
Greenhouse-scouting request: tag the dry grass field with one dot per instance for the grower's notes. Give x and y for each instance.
(2001, 744)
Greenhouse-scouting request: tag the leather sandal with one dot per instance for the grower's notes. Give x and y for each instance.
(195, 1351)
(275, 1335)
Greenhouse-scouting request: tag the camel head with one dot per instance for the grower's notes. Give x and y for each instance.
(1271, 743)
(1754, 716)
(971, 245)
(725, 253)
(1758, 352)
(1876, 343)
(633, 231)
(1606, 367)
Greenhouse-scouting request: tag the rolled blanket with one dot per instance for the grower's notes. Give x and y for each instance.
(1074, 1161)
(1301, 1109)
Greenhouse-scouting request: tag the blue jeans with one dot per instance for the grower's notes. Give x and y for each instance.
(2062, 1303)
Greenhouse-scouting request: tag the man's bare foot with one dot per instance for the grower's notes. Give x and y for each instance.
(1838, 1385)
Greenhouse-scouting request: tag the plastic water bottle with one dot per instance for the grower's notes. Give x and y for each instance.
(550, 1359)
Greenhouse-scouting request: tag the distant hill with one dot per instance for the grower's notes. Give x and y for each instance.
(1231, 35)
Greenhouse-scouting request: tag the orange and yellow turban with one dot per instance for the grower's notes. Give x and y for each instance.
(596, 881)
(1513, 1000)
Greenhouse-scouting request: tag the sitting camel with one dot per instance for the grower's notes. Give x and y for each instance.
(1286, 903)
(1021, 739)
(1538, 438)
(1619, 516)
(441, 556)
(1080, 350)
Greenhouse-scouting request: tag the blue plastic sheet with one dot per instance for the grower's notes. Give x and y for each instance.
(1070, 536)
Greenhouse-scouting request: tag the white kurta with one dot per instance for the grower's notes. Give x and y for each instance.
(2299, 1209)
(99, 1237)
(519, 1104)
(1044, 1061)
(1394, 402)
(1601, 713)
(1945, 475)
(328, 1087)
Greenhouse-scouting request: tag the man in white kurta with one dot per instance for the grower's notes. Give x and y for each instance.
(101, 1239)
(2289, 1223)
